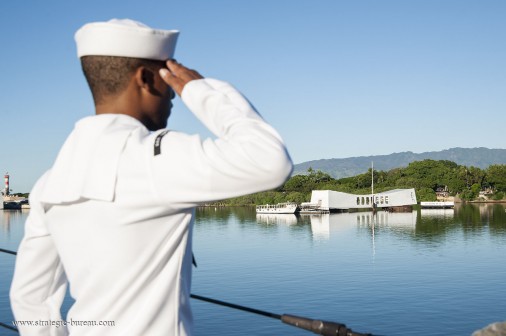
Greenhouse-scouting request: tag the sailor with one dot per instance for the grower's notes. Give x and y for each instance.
(113, 216)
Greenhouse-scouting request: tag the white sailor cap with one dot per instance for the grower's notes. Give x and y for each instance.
(125, 38)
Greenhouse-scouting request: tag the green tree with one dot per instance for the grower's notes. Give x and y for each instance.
(498, 196)
(425, 195)
(425, 176)
(495, 175)
(296, 183)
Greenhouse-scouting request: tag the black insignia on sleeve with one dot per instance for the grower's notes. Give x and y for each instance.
(158, 142)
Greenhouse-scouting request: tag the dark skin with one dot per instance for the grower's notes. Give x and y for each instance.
(148, 96)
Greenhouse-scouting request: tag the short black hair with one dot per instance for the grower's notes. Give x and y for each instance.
(109, 75)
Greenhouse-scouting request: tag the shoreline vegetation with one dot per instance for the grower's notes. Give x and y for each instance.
(433, 180)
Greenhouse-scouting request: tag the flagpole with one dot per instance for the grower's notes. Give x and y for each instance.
(372, 186)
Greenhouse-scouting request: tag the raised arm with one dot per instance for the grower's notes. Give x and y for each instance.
(248, 155)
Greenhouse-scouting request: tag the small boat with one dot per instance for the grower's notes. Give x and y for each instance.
(437, 205)
(280, 208)
(308, 208)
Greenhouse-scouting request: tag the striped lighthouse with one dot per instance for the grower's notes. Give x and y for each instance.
(6, 178)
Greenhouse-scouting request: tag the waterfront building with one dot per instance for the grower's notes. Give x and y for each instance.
(329, 200)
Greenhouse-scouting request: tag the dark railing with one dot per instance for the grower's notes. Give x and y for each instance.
(318, 327)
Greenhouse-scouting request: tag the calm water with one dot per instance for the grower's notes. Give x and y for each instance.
(431, 272)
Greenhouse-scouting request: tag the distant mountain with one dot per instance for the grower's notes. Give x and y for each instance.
(338, 168)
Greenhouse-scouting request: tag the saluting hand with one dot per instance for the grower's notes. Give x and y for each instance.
(177, 75)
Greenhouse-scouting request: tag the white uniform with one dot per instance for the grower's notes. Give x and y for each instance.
(114, 215)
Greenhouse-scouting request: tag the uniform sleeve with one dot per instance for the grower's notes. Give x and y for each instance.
(247, 156)
(39, 284)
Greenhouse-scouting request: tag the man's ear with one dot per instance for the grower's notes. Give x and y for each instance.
(144, 78)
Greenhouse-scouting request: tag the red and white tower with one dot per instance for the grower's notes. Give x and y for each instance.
(6, 178)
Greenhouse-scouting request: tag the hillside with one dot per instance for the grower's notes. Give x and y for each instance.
(338, 168)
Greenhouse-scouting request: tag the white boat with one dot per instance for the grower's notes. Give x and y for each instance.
(280, 208)
(309, 208)
(437, 205)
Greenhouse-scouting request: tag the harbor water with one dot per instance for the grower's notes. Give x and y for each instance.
(426, 272)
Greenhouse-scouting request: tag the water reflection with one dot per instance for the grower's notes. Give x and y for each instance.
(273, 219)
(479, 214)
(320, 226)
(424, 223)
(222, 215)
(323, 224)
(466, 218)
(387, 219)
(12, 220)
(6, 217)
(441, 213)
(429, 225)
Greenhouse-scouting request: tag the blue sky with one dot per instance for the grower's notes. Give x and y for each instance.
(336, 78)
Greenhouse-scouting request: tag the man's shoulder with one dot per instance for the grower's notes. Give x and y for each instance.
(108, 120)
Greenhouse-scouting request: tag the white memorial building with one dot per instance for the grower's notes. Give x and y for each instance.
(329, 200)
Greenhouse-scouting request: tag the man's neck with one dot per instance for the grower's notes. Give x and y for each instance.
(122, 104)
